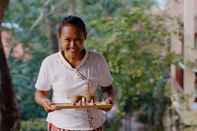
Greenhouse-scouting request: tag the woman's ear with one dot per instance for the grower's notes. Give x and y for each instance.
(85, 35)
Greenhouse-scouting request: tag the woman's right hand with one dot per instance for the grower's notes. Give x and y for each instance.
(46, 104)
(41, 99)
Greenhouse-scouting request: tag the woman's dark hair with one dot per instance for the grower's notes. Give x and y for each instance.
(75, 21)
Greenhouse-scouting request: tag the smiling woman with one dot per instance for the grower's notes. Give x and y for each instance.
(72, 72)
(72, 42)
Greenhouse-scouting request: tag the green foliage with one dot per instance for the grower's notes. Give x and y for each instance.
(24, 75)
(146, 3)
(34, 125)
(133, 42)
(112, 125)
(24, 72)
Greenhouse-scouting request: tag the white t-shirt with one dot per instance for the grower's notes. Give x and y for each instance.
(57, 74)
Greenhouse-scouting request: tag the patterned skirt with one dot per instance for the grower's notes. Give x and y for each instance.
(51, 127)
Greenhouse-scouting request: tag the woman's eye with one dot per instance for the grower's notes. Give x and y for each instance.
(78, 40)
(66, 40)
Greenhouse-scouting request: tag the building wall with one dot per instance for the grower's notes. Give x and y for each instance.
(189, 51)
(186, 11)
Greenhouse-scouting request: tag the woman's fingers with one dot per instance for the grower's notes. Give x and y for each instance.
(109, 100)
(77, 100)
(82, 101)
(91, 101)
(46, 104)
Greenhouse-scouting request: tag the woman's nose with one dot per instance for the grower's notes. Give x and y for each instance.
(72, 43)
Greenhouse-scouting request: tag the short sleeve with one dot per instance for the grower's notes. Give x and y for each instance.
(43, 80)
(105, 78)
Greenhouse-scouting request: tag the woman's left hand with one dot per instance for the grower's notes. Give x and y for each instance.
(111, 95)
(109, 100)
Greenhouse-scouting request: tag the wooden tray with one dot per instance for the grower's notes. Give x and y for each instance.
(71, 106)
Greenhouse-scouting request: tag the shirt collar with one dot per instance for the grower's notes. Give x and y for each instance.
(68, 65)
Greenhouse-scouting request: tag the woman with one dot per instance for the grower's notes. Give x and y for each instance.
(73, 71)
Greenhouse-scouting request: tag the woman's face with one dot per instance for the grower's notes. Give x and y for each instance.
(71, 40)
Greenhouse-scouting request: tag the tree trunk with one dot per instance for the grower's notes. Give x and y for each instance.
(51, 34)
(9, 115)
(72, 7)
(50, 25)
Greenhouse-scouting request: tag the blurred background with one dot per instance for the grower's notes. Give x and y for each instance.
(150, 46)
